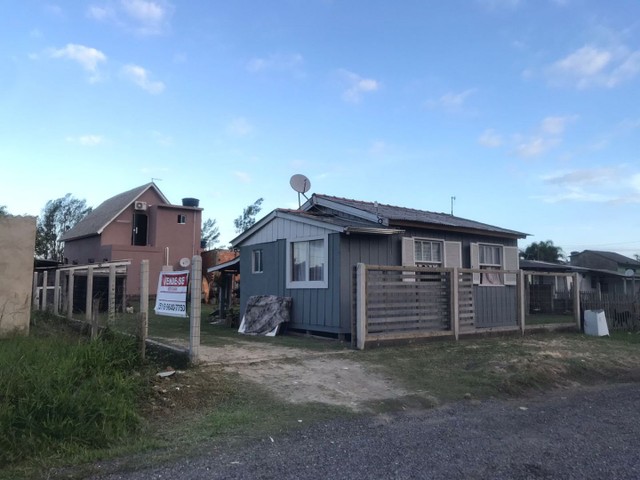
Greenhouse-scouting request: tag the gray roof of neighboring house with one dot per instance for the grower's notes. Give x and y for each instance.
(614, 257)
(95, 222)
(403, 214)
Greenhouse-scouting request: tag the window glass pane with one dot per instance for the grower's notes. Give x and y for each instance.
(300, 253)
(316, 260)
(418, 251)
(436, 252)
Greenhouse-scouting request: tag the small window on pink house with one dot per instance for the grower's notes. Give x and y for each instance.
(182, 219)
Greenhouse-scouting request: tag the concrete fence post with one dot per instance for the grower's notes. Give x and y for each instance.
(196, 308)
(361, 305)
(111, 315)
(144, 307)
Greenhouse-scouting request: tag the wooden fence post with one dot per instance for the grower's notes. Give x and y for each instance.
(196, 308)
(89, 295)
(70, 283)
(144, 307)
(576, 300)
(521, 300)
(56, 293)
(455, 302)
(34, 292)
(94, 320)
(361, 305)
(45, 284)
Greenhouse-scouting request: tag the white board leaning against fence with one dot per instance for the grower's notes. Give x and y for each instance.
(171, 299)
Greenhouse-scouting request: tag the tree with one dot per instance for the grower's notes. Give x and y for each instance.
(544, 251)
(57, 217)
(3, 211)
(210, 234)
(248, 217)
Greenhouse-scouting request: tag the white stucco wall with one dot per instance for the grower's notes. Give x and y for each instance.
(17, 245)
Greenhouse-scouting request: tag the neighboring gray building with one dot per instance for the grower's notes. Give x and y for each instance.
(610, 272)
(309, 254)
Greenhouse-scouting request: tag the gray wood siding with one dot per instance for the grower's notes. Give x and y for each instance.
(495, 306)
(316, 309)
(282, 228)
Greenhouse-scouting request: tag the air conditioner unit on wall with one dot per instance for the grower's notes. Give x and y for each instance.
(140, 205)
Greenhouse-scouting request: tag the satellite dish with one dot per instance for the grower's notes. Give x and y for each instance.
(300, 183)
(629, 272)
(185, 262)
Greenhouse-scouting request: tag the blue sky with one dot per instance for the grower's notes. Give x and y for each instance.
(527, 112)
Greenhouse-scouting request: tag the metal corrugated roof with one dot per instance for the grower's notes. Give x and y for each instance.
(402, 214)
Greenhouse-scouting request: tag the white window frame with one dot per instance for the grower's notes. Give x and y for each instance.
(324, 283)
(257, 264)
(491, 279)
(429, 263)
(182, 219)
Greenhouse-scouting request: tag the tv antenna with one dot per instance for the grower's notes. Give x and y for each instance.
(300, 184)
(453, 199)
(153, 180)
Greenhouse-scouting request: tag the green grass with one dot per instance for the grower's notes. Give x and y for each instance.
(499, 366)
(61, 395)
(548, 319)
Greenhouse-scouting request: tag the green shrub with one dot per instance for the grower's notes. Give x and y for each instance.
(59, 394)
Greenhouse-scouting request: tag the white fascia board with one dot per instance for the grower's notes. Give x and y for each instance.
(340, 207)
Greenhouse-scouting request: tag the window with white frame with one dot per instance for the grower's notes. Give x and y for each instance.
(490, 258)
(182, 219)
(307, 261)
(428, 252)
(256, 261)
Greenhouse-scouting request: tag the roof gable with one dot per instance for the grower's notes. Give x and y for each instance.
(389, 214)
(98, 219)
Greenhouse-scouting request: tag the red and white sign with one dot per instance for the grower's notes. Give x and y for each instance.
(171, 299)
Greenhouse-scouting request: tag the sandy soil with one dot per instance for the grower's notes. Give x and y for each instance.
(299, 375)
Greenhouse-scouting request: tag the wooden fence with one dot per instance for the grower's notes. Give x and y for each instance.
(402, 303)
(621, 311)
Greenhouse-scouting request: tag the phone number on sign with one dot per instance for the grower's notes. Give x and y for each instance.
(171, 307)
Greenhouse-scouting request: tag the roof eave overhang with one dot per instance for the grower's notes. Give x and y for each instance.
(451, 228)
(341, 207)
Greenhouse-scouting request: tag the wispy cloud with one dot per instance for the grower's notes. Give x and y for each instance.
(244, 177)
(556, 125)
(452, 101)
(535, 146)
(162, 139)
(357, 86)
(141, 77)
(499, 4)
(290, 62)
(145, 17)
(490, 138)
(87, 140)
(592, 66)
(595, 185)
(88, 58)
(239, 127)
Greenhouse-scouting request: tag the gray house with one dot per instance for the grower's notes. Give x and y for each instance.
(610, 272)
(310, 254)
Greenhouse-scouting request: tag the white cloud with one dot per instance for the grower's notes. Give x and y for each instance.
(89, 58)
(595, 185)
(146, 17)
(162, 139)
(239, 127)
(87, 140)
(556, 125)
(357, 86)
(535, 146)
(590, 66)
(500, 4)
(244, 177)
(140, 77)
(490, 138)
(276, 62)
